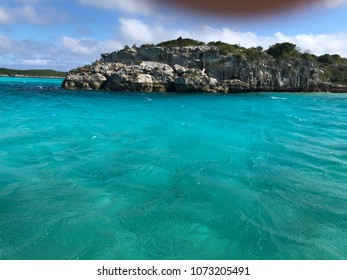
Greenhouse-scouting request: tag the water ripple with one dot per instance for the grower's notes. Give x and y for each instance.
(125, 176)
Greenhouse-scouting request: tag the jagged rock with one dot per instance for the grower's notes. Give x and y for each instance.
(124, 81)
(197, 69)
(163, 75)
(85, 81)
(179, 70)
(193, 80)
(234, 86)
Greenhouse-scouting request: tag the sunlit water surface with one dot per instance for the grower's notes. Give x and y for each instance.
(95, 175)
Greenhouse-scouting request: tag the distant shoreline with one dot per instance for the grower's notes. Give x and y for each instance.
(28, 76)
(34, 73)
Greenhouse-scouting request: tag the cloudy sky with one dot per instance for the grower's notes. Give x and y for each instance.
(63, 34)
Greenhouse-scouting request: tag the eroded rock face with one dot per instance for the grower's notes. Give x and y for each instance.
(196, 69)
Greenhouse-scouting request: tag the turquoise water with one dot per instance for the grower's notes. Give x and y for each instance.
(90, 175)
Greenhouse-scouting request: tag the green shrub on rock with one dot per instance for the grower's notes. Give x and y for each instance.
(283, 50)
(225, 48)
(180, 42)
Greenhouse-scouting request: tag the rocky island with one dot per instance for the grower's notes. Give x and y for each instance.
(186, 65)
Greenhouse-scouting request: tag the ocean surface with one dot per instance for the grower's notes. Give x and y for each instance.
(95, 175)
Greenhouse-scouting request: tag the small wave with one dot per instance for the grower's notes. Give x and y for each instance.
(185, 124)
(294, 117)
(278, 98)
(149, 99)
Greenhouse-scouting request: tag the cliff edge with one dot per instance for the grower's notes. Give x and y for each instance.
(215, 67)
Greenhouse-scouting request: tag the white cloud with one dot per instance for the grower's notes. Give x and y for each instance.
(334, 3)
(5, 16)
(335, 43)
(27, 49)
(69, 52)
(136, 31)
(88, 47)
(36, 62)
(246, 39)
(5, 44)
(83, 46)
(143, 7)
(63, 54)
(31, 14)
(29, 53)
(132, 30)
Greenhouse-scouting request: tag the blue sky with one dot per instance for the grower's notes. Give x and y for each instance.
(63, 34)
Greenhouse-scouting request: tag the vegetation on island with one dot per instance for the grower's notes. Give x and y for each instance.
(334, 67)
(180, 42)
(283, 50)
(32, 73)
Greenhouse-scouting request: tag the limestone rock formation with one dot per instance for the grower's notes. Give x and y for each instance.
(197, 69)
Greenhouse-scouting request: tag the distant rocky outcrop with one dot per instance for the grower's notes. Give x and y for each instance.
(217, 67)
